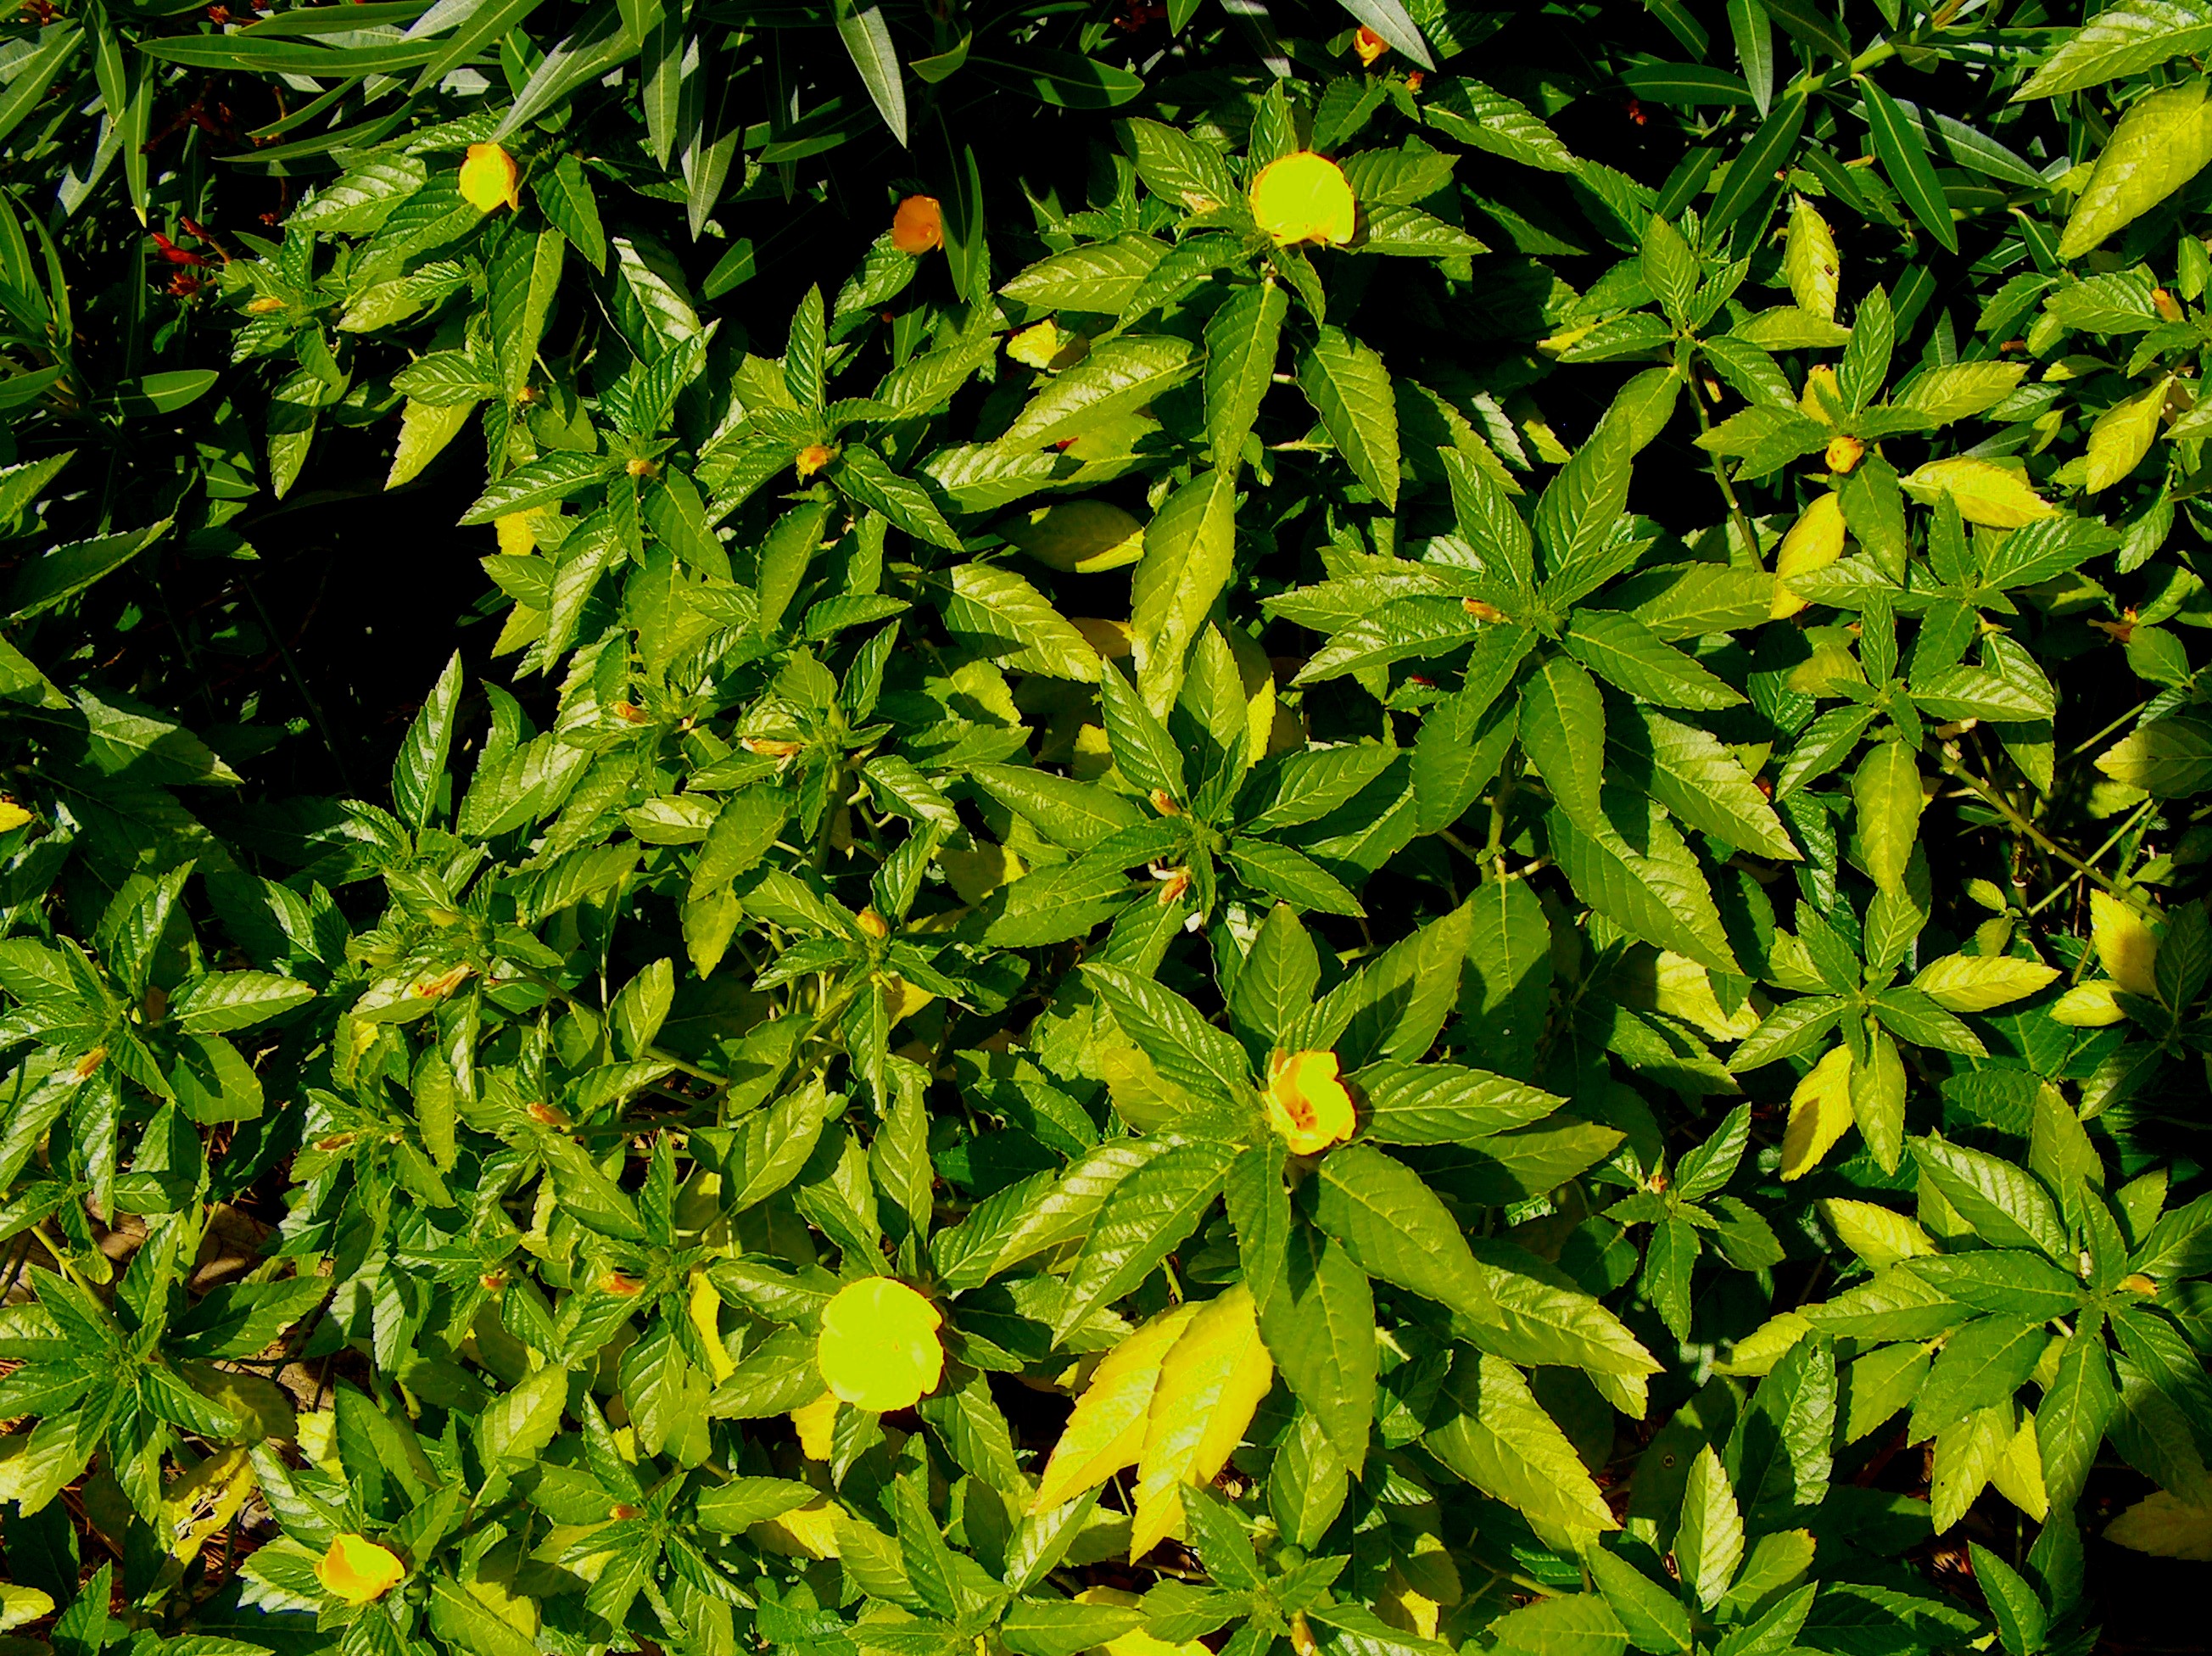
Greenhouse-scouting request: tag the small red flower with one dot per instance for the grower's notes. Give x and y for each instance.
(172, 253)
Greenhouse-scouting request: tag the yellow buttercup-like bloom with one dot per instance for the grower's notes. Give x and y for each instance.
(879, 1348)
(1306, 1102)
(489, 178)
(358, 1571)
(1303, 197)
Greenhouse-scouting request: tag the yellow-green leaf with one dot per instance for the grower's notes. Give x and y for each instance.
(2122, 436)
(2126, 946)
(1877, 1234)
(1106, 1432)
(1886, 792)
(1977, 983)
(2166, 1526)
(1983, 491)
(1819, 1110)
(1809, 260)
(2162, 142)
(1209, 1387)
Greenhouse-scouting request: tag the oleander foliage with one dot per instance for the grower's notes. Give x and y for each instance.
(1668, 661)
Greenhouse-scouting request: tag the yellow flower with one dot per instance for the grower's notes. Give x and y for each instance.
(1368, 45)
(1306, 1102)
(1304, 197)
(918, 226)
(12, 816)
(489, 178)
(813, 458)
(879, 1348)
(358, 1571)
(1843, 453)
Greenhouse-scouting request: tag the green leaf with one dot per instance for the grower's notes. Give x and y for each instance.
(1000, 616)
(1445, 1104)
(864, 475)
(1119, 376)
(1187, 1049)
(1350, 389)
(1562, 734)
(867, 40)
(1498, 1438)
(1888, 801)
(564, 195)
(2124, 38)
(236, 999)
(2022, 1620)
(1387, 18)
(2005, 1204)
(1626, 653)
(517, 1426)
(1981, 1364)
(1699, 780)
(1319, 1325)
(1653, 1617)
(1145, 1218)
(1709, 1541)
(1904, 156)
(1190, 548)
(1752, 170)
(2171, 758)
(1642, 876)
(2071, 1419)
(1242, 340)
(1394, 1226)
(597, 46)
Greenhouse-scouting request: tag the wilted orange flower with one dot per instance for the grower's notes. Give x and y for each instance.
(1368, 45)
(918, 226)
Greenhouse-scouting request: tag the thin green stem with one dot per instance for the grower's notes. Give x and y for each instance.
(1736, 514)
(2097, 855)
(1989, 795)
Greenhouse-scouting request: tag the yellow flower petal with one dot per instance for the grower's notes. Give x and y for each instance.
(1303, 197)
(490, 179)
(879, 1348)
(12, 816)
(358, 1571)
(1307, 1105)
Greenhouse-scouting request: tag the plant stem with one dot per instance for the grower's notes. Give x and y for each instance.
(2065, 885)
(1736, 513)
(1990, 796)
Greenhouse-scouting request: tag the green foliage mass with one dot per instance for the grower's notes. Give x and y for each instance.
(1669, 661)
